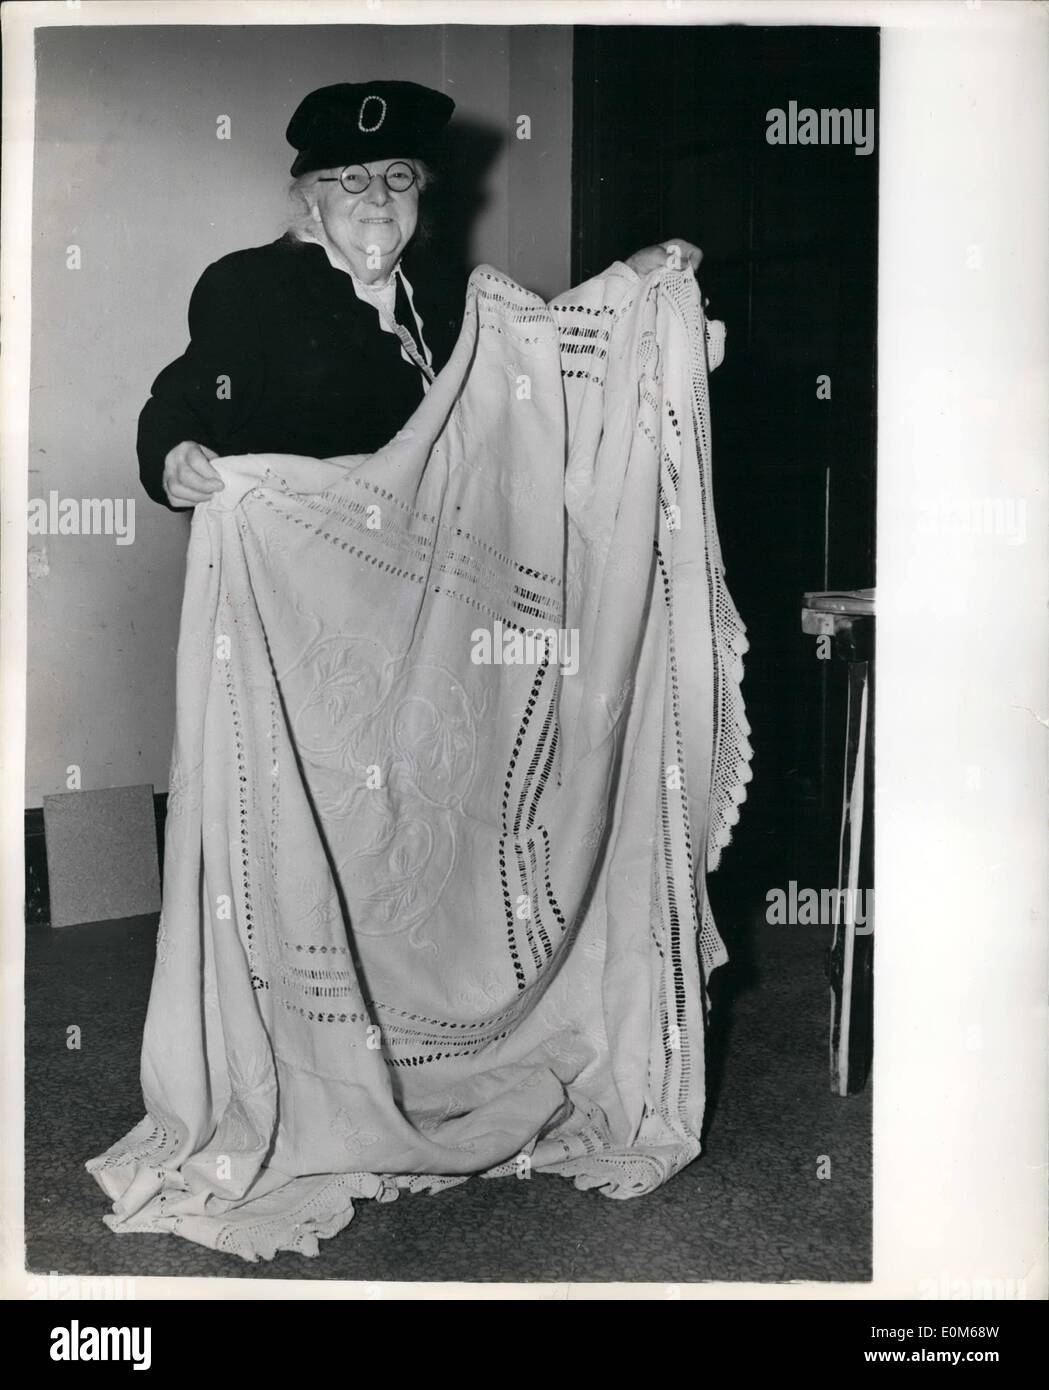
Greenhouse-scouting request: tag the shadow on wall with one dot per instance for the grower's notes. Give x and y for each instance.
(459, 196)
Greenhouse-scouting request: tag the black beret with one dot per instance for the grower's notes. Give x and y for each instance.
(352, 122)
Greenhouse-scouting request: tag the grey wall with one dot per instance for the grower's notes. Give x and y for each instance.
(129, 169)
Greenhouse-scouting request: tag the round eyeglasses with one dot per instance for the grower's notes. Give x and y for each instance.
(355, 178)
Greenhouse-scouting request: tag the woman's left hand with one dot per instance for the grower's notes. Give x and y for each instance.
(673, 254)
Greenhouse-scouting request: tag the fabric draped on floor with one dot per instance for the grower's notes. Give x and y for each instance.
(459, 736)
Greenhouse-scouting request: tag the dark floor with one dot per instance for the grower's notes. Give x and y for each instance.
(751, 1208)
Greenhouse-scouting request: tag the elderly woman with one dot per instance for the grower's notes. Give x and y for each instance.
(318, 344)
(428, 915)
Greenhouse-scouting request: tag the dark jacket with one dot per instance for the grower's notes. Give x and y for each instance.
(284, 358)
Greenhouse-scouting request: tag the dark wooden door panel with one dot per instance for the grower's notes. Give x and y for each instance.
(670, 139)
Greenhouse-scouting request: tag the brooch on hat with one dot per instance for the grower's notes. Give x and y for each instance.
(367, 129)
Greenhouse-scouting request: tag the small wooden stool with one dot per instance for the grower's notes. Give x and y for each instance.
(847, 618)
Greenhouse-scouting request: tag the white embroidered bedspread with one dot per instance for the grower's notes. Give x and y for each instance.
(427, 916)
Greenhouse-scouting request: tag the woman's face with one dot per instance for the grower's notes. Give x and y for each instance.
(374, 225)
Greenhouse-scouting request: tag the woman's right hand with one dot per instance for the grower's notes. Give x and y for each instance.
(189, 477)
